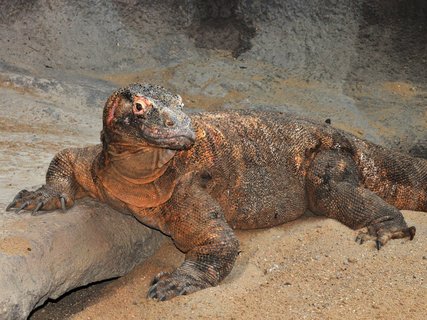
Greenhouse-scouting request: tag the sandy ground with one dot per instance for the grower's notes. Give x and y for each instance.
(308, 269)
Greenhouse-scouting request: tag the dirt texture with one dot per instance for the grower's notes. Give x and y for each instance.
(361, 64)
(307, 269)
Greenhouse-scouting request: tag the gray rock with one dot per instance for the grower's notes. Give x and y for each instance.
(45, 256)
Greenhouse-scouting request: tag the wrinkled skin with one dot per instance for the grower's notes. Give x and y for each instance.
(196, 179)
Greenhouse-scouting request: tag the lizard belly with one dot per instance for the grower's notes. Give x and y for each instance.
(263, 200)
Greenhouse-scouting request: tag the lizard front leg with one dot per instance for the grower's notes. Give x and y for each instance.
(62, 186)
(197, 225)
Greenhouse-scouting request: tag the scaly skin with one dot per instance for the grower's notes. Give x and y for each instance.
(198, 179)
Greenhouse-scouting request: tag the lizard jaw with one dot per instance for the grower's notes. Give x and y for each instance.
(179, 140)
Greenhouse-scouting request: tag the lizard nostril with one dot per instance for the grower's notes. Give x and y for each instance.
(169, 123)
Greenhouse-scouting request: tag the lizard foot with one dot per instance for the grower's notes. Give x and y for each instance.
(166, 286)
(43, 198)
(383, 230)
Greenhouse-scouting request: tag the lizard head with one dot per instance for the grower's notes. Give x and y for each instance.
(149, 115)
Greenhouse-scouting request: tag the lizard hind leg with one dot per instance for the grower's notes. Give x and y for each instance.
(334, 190)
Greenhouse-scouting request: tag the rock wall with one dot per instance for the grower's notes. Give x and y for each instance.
(334, 41)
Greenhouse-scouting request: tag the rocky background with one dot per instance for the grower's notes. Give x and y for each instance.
(362, 64)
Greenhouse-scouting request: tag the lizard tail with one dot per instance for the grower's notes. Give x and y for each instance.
(398, 178)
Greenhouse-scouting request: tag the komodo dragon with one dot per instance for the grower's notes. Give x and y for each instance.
(197, 178)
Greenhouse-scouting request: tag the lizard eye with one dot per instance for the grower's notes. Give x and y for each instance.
(138, 106)
(141, 105)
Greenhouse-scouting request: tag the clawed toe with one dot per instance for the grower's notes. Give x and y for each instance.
(64, 208)
(159, 276)
(37, 208)
(362, 237)
(22, 207)
(15, 200)
(381, 237)
(39, 201)
(11, 206)
(158, 289)
(153, 294)
(166, 286)
(411, 232)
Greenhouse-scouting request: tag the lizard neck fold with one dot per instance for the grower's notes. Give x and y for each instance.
(137, 176)
(138, 165)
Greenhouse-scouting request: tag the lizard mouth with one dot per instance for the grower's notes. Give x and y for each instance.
(182, 139)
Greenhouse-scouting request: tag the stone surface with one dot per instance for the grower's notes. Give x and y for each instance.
(44, 256)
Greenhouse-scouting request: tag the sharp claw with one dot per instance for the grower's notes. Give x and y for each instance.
(152, 293)
(359, 240)
(157, 278)
(39, 206)
(22, 207)
(183, 292)
(10, 206)
(154, 281)
(378, 244)
(20, 194)
(63, 204)
(412, 231)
